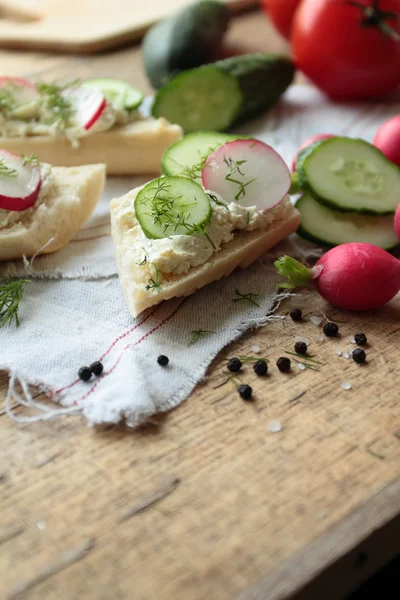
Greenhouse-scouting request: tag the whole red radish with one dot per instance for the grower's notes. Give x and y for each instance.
(351, 276)
(315, 138)
(281, 13)
(387, 139)
(397, 221)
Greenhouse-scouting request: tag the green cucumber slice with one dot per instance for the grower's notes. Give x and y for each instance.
(198, 99)
(172, 206)
(350, 175)
(120, 93)
(325, 226)
(186, 156)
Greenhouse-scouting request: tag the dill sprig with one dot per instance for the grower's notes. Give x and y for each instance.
(197, 334)
(10, 297)
(251, 298)
(229, 377)
(6, 171)
(194, 172)
(7, 99)
(252, 359)
(53, 99)
(234, 168)
(154, 283)
(32, 159)
(214, 198)
(304, 357)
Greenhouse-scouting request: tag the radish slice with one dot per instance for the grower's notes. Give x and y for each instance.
(248, 172)
(88, 105)
(22, 90)
(19, 185)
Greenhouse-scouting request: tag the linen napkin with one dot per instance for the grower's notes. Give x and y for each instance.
(73, 312)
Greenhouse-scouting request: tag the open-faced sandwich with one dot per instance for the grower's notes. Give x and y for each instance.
(42, 207)
(220, 205)
(83, 123)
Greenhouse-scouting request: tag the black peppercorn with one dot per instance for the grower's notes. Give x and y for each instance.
(283, 364)
(234, 365)
(359, 355)
(360, 339)
(84, 373)
(331, 329)
(163, 360)
(96, 368)
(260, 367)
(300, 348)
(245, 392)
(296, 314)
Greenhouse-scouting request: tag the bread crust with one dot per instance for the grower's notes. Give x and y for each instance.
(68, 205)
(241, 251)
(134, 148)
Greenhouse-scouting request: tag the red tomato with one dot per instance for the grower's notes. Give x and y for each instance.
(341, 46)
(281, 13)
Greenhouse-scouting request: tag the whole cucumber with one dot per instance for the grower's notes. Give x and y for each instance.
(187, 39)
(263, 78)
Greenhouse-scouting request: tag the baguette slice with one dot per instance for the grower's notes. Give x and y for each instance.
(241, 251)
(68, 204)
(134, 148)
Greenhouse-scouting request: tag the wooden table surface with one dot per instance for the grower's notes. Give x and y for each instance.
(207, 502)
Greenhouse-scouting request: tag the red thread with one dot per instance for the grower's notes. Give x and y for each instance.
(121, 337)
(94, 386)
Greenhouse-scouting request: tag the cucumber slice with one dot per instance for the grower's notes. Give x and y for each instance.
(349, 175)
(198, 99)
(331, 227)
(120, 93)
(187, 155)
(172, 206)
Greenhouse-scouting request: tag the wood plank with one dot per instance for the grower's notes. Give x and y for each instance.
(255, 514)
(90, 26)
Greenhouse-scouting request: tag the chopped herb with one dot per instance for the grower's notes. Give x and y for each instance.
(155, 281)
(6, 171)
(59, 106)
(33, 160)
(194, 172)
(229, 377)
(251, 298)
(214, 198)
(7, 100)
(308, 358)
(10, 297)
(234, 167)
(199, 333)
(144, 261)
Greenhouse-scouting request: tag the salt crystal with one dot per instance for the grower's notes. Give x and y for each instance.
(346, 355)
(274, 426)
(316, 320)
(301, 366)
(302, 339)
(352, 339)
(41, 525)
(338, 352)
(256, 349)
(346, 385)
(320, 339)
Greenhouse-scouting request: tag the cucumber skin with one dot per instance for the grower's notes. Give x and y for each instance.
(263, 78)
(185, 40)
(306, 235)
(306, 187)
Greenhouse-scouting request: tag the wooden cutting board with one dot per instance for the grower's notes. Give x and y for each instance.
(83, 25)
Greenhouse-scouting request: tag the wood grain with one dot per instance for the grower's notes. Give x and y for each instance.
(256, 514)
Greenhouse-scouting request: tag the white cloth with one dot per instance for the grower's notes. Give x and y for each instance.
(73, 312)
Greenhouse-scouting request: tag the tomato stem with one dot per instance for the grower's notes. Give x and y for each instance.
(373, 16)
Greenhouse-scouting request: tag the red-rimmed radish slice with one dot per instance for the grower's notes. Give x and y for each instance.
(88, 105)
(315, 138)
(24, 91)
(248, 172)
(19, 185)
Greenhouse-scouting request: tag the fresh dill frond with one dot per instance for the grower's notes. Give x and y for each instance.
(229, 377)
(7, 99)
(198, 334)
(144, 261)
(11, 293)
(234, 167)
(154, 283)
(250, 298)
(194, 172)
(6, 171)
(303, 357)
(57, 103)
(214, 198)
(33, 160)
